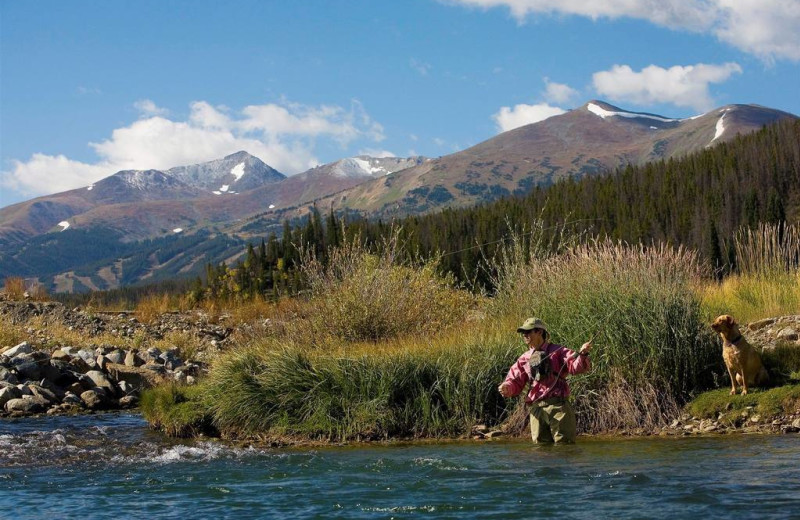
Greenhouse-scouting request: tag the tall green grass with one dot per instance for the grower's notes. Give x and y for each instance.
(652, 348)
(437, 391)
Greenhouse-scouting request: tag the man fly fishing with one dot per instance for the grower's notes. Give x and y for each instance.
(546, 366)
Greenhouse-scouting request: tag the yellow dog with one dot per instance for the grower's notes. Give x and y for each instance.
(743, 362)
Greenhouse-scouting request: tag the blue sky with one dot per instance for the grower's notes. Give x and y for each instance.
(88, 88)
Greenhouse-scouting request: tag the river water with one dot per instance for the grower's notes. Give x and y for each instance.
(112, 466)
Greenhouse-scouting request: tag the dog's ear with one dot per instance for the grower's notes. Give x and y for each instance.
(730, 321)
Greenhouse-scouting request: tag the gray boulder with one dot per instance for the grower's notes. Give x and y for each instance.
(60, 355)
(132, 359)
(94, 399)
(48, 395)
(70, 398)
(129, 401)
(22, 348)
(100, 380)
(22, 358)
(8, 393)
(116, 356)
(29, 370)
(153, 355)
(29, 404)
(7, 376)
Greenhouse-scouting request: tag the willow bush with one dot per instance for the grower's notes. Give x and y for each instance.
(361, 296)
(652, 347)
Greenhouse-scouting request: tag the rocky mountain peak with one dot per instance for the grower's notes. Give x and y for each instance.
(233, 173)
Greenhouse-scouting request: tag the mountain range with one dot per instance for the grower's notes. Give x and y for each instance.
(135, 226)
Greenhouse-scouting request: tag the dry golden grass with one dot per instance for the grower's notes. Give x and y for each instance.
(768, 280)
(14, 287)
(752, 297)
(149, 309)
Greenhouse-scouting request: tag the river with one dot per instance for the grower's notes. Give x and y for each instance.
(113, 466)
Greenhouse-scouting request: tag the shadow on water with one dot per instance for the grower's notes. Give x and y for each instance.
(108, 466)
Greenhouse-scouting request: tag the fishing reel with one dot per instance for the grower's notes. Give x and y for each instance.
(540, 365)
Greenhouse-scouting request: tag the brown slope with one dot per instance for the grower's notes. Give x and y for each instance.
(589, 140)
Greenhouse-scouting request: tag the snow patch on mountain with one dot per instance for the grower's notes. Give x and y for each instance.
(720, 128)
(177, 230)
(64, 225)
(603, 113)
(237, 171)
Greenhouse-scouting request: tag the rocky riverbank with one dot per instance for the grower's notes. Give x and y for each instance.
(71, 380)
(76, 361)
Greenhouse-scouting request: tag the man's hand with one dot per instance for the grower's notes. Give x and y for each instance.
(504, 389)
(586, 347)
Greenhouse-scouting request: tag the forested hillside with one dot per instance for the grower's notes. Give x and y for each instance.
(698, 201)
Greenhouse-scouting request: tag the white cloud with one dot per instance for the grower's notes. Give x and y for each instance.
(420, 66)
(765, 28)
(148, 108)
(558, 92)
(509, 118)
(681, 86)
(282, 135)
(50, 174)
(374, 152)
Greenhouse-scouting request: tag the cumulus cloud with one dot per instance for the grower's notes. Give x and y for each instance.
(283, 135)
(681, 86)
(509, 118)
(148, 108)
(558, 92)
(765, 28)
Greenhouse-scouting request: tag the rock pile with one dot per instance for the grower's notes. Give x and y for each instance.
(747, 421)
(771, 332)
(72, 380)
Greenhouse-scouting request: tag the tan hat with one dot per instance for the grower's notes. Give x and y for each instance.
(532, 323)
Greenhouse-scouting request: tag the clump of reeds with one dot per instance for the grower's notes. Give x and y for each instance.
(652, 347)
(439, 391)
(771, 248)
(179, 411)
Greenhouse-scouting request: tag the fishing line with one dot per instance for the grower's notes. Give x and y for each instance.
(522, 235)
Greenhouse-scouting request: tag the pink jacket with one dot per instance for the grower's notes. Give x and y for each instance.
(563, 363)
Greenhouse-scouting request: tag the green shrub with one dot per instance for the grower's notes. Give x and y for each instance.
(359, 296)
